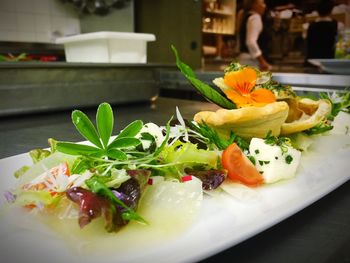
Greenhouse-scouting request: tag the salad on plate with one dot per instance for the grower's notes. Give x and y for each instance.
(149, 174)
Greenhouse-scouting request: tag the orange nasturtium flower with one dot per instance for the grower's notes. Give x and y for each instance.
(241, 84)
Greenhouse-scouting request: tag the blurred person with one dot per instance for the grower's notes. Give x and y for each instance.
(342, 7)
(322, 33)
(251, 35)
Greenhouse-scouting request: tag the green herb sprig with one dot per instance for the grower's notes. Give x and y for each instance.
(214, 138)
(321, 127)
(100, 137)
(204, 89)
(282, 142)
(340, 102)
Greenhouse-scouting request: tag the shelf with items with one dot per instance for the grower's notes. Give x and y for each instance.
(218, 12)
(218, 27)
(212, 32)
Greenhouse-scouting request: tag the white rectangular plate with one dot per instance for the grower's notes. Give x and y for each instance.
(223, 220)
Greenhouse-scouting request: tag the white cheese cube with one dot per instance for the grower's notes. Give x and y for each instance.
(272, 163)
(155, 131)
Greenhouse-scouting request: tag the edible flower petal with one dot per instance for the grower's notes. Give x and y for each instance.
(241, 91)
(242, 80)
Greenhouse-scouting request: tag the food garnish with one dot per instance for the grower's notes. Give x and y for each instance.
(239, 86)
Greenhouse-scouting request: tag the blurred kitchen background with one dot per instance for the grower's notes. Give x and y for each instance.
(34, 75)
(202, 30)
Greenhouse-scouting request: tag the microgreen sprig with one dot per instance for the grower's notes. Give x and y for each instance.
(213, 138)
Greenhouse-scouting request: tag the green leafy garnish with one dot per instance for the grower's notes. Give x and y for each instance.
(213, 138)
(340, 102)
(101, 136)
(261, 162)
(289, 159)
(321, 127)
(85, 127)
(234, 66)
(105, 122)
(204, 89)
(80, 165)
(282, 142)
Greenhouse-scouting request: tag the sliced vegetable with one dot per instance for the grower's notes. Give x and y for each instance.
(239, 167)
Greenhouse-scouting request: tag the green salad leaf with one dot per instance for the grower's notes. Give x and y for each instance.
(179, 156)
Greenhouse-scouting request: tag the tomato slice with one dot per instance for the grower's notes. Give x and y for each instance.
(239, 167)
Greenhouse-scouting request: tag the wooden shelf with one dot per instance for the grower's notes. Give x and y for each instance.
(218, 25)
(217, 33)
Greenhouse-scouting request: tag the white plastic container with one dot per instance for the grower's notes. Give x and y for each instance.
(106, 47)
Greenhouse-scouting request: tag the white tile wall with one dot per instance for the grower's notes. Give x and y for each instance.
(38, 21)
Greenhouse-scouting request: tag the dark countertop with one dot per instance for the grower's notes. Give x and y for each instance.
(318, 233)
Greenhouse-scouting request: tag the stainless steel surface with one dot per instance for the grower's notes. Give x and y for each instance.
(36, 87)
(313, 80)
